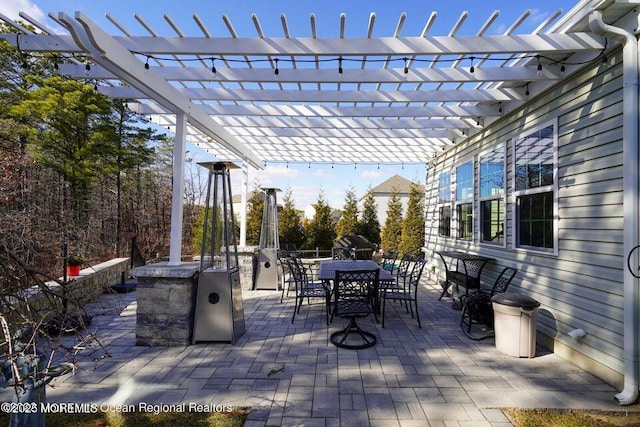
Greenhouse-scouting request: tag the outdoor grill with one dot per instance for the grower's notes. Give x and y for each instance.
(361, 245)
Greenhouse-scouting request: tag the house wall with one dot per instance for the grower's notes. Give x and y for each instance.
(581, 285)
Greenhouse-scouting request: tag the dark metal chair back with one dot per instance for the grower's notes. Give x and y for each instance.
(504, 279)
(403, 268)
(416, 274)
(353, 292)
(388, 261)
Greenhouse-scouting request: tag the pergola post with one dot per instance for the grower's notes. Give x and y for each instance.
(175, 242)
(243, 204)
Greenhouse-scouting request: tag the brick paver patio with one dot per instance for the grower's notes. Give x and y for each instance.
(290, 374)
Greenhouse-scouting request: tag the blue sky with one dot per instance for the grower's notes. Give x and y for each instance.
(305, 181)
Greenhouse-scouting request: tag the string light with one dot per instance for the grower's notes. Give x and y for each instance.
(500, 108)
(527, 92)
(340, 59)
(213, 65)
(539, 66)
(405, 60)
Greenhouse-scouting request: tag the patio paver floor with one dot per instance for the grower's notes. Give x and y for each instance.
(290, 374)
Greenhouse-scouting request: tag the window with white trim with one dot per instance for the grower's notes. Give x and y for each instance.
(535, 195)
(491, 193)
(464, 200)
(444, 200)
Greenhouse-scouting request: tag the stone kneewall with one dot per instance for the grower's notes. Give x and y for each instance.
(86, 287)
(166, 298)
(94, 280)
(245, 267)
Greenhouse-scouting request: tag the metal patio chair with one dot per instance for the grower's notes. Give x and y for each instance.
(477, 307)
(352, 293)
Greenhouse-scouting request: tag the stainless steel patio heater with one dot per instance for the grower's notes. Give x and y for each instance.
(219, 314)
(266, 258)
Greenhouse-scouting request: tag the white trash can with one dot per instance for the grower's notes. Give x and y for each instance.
(514, 318)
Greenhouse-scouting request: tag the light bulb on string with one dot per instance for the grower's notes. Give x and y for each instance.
(539, 72)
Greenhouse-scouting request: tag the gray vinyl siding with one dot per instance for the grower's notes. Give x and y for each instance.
(581, 286)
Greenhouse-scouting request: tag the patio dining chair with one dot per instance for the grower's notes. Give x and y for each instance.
(408, 294)
(477, 307)
(388, 261)
(305, 286)
(287, 280)
(352, 293)
(404, 270)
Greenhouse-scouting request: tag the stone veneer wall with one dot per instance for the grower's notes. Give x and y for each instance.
(94, 280)
(245, 266)
(166, 298)
(86, 287)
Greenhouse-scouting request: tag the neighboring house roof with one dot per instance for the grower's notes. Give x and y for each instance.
(401, 184)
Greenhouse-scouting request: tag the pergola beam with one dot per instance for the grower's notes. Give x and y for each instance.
(471, 111)
(357, 47)
(330, 75)
(330, 96)
(379, 46)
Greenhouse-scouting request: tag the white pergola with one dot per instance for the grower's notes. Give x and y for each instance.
(397, 99)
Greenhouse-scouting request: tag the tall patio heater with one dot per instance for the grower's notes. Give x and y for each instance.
(266, 258)
(219, 313)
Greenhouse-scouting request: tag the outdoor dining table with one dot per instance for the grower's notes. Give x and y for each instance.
(467, 275)
(328, 268)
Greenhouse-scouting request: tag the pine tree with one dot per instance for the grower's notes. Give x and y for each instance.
(254, 216)
(369, 226)
(348, 222)
(392, 231)
(321, 231)
(289, 226)
(413, 224)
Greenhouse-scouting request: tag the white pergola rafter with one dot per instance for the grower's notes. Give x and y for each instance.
(401, 97)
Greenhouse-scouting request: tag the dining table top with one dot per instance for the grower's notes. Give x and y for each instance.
(464, 256)
(328, 268)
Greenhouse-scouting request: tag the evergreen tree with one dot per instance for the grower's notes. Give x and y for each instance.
(72, 134)
(254, 216)
(413, 224)
(348, 222)
(369, 226)
(392, 231)
(289, 226)
(321, 231)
